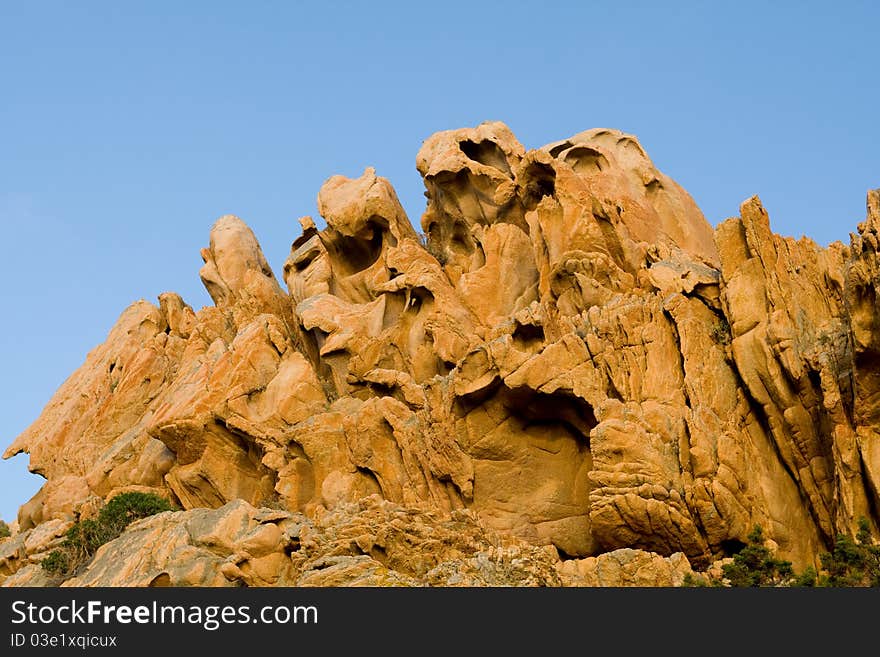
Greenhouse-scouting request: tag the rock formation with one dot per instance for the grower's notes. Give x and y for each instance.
(567, 379)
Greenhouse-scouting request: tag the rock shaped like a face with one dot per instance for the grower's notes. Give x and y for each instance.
(236, 273)
(646, 205)
(470, 183)
(231, 260)
(570, 353)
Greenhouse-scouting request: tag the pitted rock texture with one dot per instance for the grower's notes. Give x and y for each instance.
(569, 354)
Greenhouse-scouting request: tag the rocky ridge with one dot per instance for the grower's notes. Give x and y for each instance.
(567, 379)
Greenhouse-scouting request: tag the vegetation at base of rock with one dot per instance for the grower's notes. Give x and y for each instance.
(86, 536)
(850, 563)
(755, 565)
(569, 377)
(4, 530)
(697, 581)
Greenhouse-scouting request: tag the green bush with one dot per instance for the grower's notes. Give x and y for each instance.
(755, 565)
(696, 581)
(806, 578)
(852, 563)
(86, 536)
(124, 509)
(57, 562)
(4, 530)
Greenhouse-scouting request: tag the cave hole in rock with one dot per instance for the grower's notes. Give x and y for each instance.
(378, 553)
(539, 180)
(586, 161)
(302, 263)
(527, 336)
(160, 581)
(565, 556)
(353, 254)
(654, 187)
(556, 150)
(533, 407)
(381, 389)
(557, 408)
(815, 379)
(418, 297)
(732, 546)
(371, 477)
(486, 152)
(460, 239)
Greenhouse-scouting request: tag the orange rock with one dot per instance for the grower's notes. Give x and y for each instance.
(570, 355)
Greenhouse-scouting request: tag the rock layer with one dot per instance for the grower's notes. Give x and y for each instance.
(569, 355)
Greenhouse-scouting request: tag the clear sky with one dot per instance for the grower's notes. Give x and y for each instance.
(127, 128)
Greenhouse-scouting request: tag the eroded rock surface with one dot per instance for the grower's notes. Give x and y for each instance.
(569, 357)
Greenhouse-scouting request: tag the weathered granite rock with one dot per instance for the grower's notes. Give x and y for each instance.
(371, 542)
(626, 567)
(570, 356)
(28, 548)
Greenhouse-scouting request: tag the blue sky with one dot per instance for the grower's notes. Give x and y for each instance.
(126, 129)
